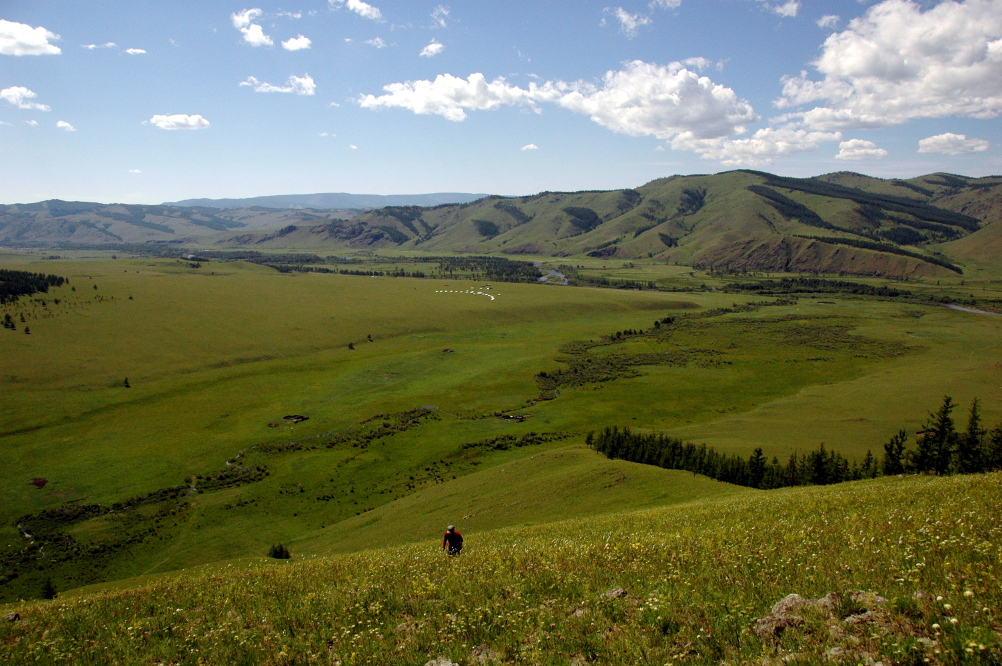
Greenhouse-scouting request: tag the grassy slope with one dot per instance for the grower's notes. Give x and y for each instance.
(981, 249)
(955, 354)
(695, 579)
(568, 482)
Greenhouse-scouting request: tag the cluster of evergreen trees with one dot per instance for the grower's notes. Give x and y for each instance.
(819, 467)
(577, 279)
(396, 272)
(494, 269)
(940, 449)
(14, 284)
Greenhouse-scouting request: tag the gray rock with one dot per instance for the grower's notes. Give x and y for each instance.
(771, 626)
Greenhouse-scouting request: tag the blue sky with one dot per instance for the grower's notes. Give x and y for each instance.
(144, 102)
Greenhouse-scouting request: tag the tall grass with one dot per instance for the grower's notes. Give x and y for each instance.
(695, 579)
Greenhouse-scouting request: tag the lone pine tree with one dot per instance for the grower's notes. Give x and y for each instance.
(970, 445)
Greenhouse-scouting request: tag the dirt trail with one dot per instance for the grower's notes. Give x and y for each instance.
(973, 311)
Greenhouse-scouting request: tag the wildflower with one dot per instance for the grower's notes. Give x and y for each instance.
(968, 593)
(936, 625)
(947, 607)
(954, 620)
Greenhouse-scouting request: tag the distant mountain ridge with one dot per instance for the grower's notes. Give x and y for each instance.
(843, 223)
(334, 200)
(82, 222)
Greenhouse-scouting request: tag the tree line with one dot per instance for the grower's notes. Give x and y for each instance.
(14, 284)
(803, 285)
(940, 448)
(488, 269)
(495, 269)
(396, 272)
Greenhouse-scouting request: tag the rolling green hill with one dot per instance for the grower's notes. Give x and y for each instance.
(740, 220)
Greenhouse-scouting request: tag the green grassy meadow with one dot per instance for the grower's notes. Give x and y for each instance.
(217, 354)
(905, 570)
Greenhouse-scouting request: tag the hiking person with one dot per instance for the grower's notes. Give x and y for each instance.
(452, 541)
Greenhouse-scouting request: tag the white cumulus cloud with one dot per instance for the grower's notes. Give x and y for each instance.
(700, 63)
(378, 42)
(439, 15)
(672, 103)
(21, 97)
(897, 63)
(297, 43)
(628, 23)
(448, 96)
(135, 51)
(641, 99)
(179, 121)
(106, 45)
(433, 48)
(829, 21)
(134, 171)
(761, 148)
(786, 9)
(252, 32)
(529, 146)
(664, 4)
(31, 123)
(859, 149)
(661, 101)
(63, 125)
(952, 144)
(18, 39)
(789, 8)
(300, 85)
(363, 9)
